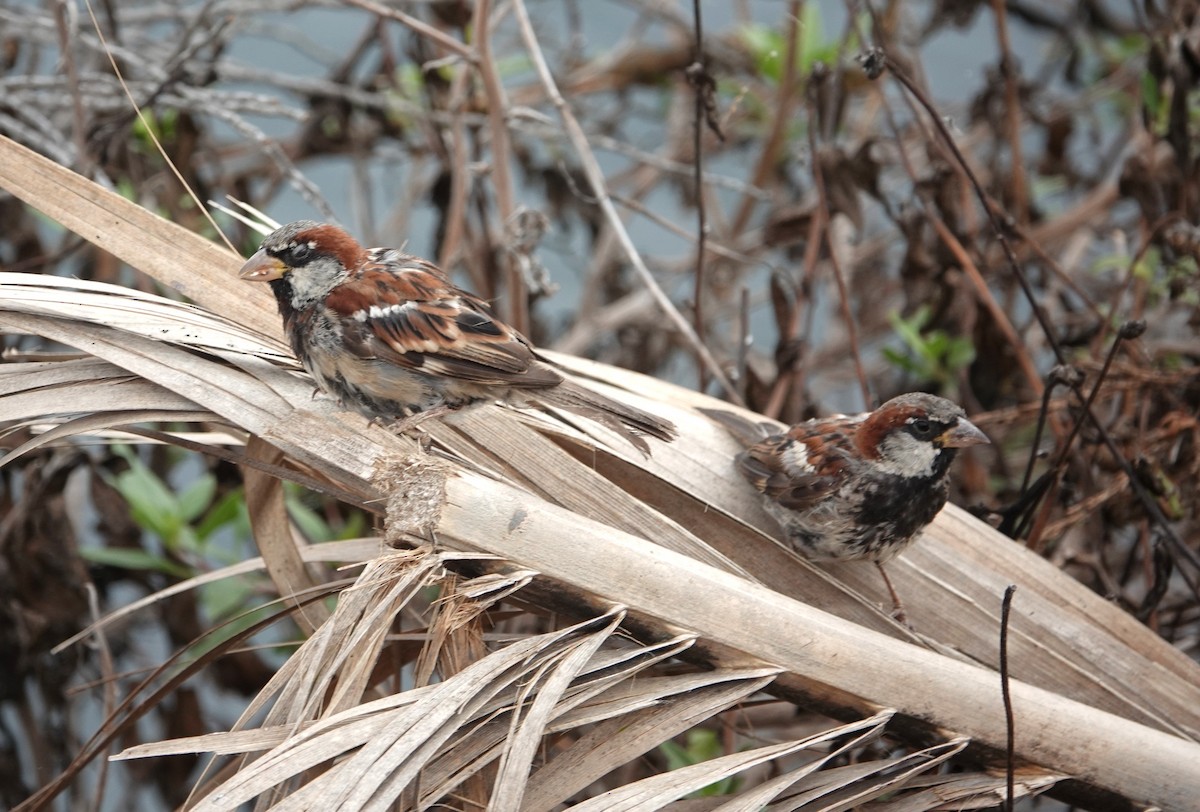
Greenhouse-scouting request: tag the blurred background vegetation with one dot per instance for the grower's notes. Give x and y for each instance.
(835, 252)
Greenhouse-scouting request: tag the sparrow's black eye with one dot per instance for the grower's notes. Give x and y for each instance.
(922, 429)
(300, 253)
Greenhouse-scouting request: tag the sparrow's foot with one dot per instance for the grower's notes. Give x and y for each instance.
(414, 420)
(898, 613)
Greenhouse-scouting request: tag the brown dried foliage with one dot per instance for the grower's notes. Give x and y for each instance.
(834, 205)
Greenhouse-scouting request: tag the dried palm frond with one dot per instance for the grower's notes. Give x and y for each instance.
(671, 551)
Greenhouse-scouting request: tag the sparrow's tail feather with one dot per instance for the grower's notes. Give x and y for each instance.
(627, 420)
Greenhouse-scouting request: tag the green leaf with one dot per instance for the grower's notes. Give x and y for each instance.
(812, 39)
(355, 526)
(196, 497)
(133, 558)
(230, 510)
(312, 525)
(900, 360)
(151, 503)
(702, 745)
(185, 541)
(931, 355)
(766, 47)
(227, 597)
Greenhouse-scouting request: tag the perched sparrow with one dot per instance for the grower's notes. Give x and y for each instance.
(389, 335)
(856, 487)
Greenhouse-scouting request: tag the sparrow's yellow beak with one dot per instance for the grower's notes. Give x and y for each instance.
(262, 267)
(965, 433)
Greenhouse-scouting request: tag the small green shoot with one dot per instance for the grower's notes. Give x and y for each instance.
(702, 745)
(928, 355)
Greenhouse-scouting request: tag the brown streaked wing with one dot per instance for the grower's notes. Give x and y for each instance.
(763, 465)
(427, 323)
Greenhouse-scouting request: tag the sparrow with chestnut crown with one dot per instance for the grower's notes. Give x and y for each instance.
(856, 487)
(389, 335)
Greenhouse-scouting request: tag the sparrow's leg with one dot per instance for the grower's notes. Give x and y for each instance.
(897, 606)
(412, 421)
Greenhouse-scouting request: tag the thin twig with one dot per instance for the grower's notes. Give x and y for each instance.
(1128, 331)
(456, 208)
(518, 304)
(1010, 742)
(874, 63)
(744, 339)
(1043, 415)
(595, 177)
(150, 131)
(823, 212)
(780, 118)
(702, 83)
(66, 18)
(1012, 104)
(985, 296)
(107, 674)
(791, 381)
(998, 227)
(424, 29)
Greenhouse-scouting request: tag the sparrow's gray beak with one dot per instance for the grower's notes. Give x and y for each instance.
(262, 267)
(963, 434)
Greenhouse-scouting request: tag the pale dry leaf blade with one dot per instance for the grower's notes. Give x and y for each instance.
(473, 749)
(846, 788)
(653, 793)
(373, 714)
(528, 729)
(203, 272)
(118, 393)
(617, 741)
(307, 746)
(23, 376)
(225, 743)
(124, 395)
(1118, 664)
(409, 732)
(549, 469)
(257, 220)
(409, 754)
(133, 311)
(91, 422)
(631, 695)
(214, 386)
(302, 748)
(364, 612)
(363, 631)
(429, 753)
(331, 442)
(957, 792)
(459, 605)
(605, 687)
(842, 740)
(272, 531)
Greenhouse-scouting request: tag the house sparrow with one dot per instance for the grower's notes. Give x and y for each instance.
(856, 487)
(389, 335)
